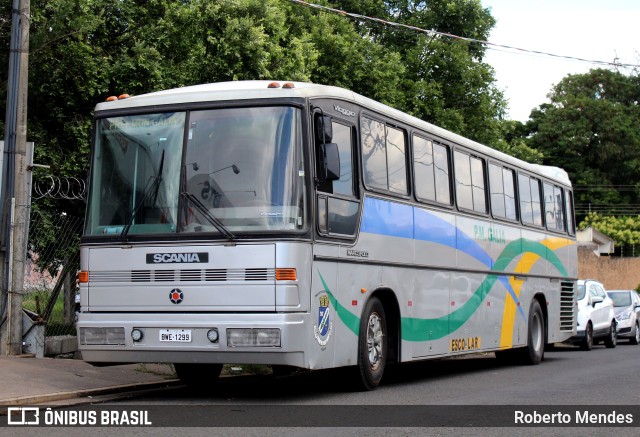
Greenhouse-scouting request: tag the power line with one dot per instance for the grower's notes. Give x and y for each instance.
(431, 32)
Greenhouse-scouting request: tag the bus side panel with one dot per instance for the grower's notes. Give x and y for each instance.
(353, 279)
(326, 326)
(427, 334)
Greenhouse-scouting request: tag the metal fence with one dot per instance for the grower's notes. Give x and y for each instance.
(53, 259)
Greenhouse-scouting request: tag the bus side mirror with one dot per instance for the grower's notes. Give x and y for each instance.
(324, 129)
(329, 160)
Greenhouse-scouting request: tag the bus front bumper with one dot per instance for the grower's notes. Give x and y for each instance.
(276, 339)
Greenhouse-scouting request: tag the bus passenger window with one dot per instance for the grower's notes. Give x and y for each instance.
(384, 152)
(501, 184)
(431, 168)
(530, 208)
(571, 225)
(470, 190)
(396, 161)
(554, 207)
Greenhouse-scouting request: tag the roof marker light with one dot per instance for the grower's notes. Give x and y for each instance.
(123, 96)
(289, 85)
(274, 85)
(111, 99)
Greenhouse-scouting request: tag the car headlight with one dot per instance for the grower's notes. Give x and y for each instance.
(624, 315)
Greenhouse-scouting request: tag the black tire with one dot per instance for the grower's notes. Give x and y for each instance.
(372, 345)
(587, 341)
(534, 352)
(636, 338)
(198, 376)
(612, 337)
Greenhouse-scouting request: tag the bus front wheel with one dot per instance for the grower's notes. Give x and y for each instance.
(372, 344)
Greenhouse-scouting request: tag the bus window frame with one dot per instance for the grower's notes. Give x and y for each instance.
(448, 148)
(516, 193)
(564, 219)
(569, 202)
(540, 196)
(324, 196)
(407, 164)
(483, 159)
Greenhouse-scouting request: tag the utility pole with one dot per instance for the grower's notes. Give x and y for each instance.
(13, 184)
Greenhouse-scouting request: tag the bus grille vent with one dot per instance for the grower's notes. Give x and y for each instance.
(187, 275)
(567, 306)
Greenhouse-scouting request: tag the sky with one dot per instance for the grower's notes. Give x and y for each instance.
(599, 30)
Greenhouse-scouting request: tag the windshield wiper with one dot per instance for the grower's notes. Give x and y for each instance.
(211, 218)
(153, 188)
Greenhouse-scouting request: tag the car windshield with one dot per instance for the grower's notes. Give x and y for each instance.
(620, 298)
(582, 289)
(242, 172)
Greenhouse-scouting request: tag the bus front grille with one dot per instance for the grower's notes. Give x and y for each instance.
(187, 275)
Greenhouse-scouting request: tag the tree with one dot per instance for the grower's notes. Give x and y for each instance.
(625, 231)
(85, 50)
(445, 80)
(590, 129)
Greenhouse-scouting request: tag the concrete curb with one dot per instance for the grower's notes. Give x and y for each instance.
(53, 397)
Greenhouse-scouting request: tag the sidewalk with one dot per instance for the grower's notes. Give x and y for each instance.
(37, 381)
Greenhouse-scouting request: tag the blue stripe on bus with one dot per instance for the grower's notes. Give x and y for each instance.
(392, 219)
(383, 217)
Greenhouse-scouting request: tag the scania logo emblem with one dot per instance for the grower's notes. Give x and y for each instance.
(176, 296)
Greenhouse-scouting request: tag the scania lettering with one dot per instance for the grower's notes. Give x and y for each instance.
(288, 223)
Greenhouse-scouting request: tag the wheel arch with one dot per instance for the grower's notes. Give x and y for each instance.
(542, 300)
(389, 302)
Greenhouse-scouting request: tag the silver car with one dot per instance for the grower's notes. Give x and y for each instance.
(626, 305)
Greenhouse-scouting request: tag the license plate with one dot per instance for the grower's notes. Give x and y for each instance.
(179, 335)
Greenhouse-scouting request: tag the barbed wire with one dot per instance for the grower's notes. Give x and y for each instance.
(54, 187)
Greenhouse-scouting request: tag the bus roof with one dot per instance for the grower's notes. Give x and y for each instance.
(246, 90)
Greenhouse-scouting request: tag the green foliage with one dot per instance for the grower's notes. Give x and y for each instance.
(82, 51)
(590, 129)
(445, 81)
(623, 230)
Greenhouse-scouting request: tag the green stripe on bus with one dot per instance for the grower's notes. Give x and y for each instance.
(348, 318)
(417, 329)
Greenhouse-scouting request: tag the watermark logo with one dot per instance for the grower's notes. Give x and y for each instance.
(23, 416)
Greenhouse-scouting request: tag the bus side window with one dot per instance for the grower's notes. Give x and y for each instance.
(470, 185)
(384, 155)
(571, 225)
(431, 169)
(501, 185)
(530, 208)
(554, 207)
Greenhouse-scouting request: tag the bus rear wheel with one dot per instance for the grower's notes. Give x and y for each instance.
(534, 352)
(198, 375)
(372, 344)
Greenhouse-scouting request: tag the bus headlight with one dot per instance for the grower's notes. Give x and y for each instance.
(261, 337)
(102, 336)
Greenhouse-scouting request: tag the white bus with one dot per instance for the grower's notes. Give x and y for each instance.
(304, 225)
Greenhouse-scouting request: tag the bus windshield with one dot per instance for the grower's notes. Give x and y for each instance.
(242, 172)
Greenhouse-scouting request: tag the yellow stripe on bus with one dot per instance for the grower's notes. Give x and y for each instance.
(525, 265)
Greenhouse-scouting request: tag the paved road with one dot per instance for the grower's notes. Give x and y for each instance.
(568, 377)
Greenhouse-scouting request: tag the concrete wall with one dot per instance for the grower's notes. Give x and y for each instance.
(614, 273)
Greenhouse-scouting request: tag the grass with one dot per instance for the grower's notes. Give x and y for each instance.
(37, 300)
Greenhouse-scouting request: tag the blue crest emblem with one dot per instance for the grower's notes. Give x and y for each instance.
(323, 316)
